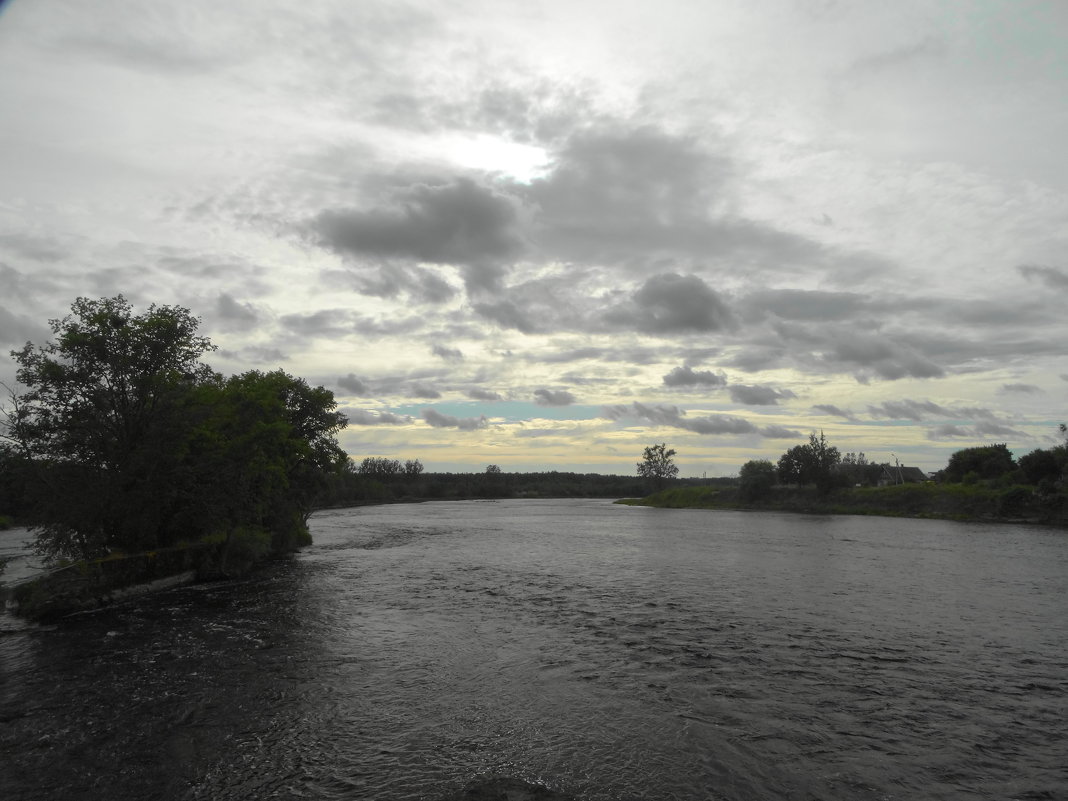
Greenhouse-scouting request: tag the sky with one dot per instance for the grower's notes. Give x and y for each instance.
(546, 234)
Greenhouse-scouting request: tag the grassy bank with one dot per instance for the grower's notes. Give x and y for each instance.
(941, 501)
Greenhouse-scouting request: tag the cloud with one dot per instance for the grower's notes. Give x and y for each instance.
(324, 323)
(362, 417)
(1050, 276)
(909, 410)
(354, 385)
(671, 303)
(483, 395)
(827, 408)
(980, 431)
(458, 222)
(448, 354)
(755, 395)
(234, 315)
(797, 304)
(673, 417)
(507, 315)
(549, 397)
(438, 420)
(393, 280)
(950, 431)
(1026, 389)
(688, 377)
(420, 390)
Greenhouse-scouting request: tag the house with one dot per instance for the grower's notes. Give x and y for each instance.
(900, 474)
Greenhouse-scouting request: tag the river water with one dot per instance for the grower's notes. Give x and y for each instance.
(605, 651)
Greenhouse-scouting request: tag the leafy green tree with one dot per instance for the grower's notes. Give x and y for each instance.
(1041, 464)
(658, 465)
(136, 444)
(822, 460)
(792, 467)
(757, 477)
(261, 455)
(812, 463)
(102, 421)
(986, 462)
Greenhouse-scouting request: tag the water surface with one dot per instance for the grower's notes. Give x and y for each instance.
(610, 652)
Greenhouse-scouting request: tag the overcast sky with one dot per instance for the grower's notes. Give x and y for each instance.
(547, 234)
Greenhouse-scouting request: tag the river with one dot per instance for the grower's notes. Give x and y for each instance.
(608, 652)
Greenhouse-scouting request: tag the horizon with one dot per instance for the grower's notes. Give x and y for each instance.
(545, 236)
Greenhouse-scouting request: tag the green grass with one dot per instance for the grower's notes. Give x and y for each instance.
(941, 501)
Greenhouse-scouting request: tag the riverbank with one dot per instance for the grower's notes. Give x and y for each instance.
(1017, 504)
(93, 583)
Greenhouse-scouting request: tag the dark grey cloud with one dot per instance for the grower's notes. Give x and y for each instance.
(323, 323)
(362, 417)
(448, 354)
(354, 385)
(758, 395)
(420, 390)
(395, 280)
(671, 303)
(882, 355)
(1025, 389)
(35, 247)
(950, 431)
(798, 304)
(672, 416)
(1050, 276)
(831, 409)
(438, 420)
(550, 397)
(634, 195)
(980, 431)
(909, 410)
(483, 395)
(234, 315)
(459, 222)
(507, 314)
(17, 329)
(685, 376)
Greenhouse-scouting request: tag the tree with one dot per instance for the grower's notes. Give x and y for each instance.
(810, 464)
(412, 468)
(793, 465)
(822, 459)
(757, 477)
(986, 462)
(492, 469)
(103, 420)
(657, 464)
(135, 444)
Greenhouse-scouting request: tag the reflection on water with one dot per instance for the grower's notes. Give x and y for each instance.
(610, 652)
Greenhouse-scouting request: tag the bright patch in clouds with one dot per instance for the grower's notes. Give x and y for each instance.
(492, 154)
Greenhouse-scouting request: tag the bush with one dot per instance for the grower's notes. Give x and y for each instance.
(1013, 502)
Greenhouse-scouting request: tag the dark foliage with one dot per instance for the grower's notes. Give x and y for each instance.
(985, 462)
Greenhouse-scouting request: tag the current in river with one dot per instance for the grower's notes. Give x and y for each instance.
(604, 651)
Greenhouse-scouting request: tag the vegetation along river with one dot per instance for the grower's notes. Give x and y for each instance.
(608, 652)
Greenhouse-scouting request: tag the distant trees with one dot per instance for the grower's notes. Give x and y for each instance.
(493, 470)
(984, 462)
(131, 442)
(380, 467)
(756, 478)
(658, 465)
